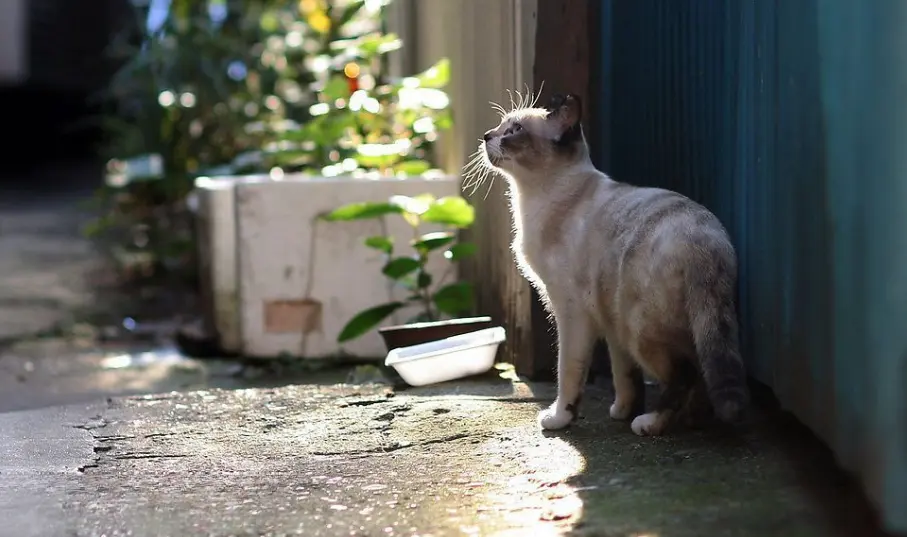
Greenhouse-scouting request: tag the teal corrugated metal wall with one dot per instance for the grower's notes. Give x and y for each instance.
(789, 120)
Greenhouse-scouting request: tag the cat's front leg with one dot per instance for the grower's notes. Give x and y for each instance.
(575, 341)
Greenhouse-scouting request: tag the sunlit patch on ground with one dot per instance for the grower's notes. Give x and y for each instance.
(539, 499)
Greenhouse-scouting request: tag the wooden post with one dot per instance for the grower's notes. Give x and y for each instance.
(566, 45)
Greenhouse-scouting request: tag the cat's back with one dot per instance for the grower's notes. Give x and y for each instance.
(660, 221)
(663, 246)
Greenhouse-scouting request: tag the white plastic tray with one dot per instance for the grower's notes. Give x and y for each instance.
(447, 359)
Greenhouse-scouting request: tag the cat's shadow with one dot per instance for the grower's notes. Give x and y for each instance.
(648, 485)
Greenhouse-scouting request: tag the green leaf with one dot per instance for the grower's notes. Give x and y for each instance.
(455, 298)
(362, 211)
(269, 22)
(412, 167)
(460, 251)
(436, 76)
(452, 211)
(365, 320)
(336, 88)
(400, 267)
(377, 161)
(349, 13)
(424, 280)
(384, 244)
(379, 44)
(414, 204)
(432, 241)
(409, 283)
(367, 46)
(444, 120)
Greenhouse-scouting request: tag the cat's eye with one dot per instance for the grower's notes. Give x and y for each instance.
(517, 127)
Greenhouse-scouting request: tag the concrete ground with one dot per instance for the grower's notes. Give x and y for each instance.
(464, 458)
(62, 338)
(115, 438)
(45, 263)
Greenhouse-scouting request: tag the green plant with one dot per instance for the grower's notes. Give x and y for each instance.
(362, 122)
(434, 297)
(315, 96)
(232, 87)
(191, 94)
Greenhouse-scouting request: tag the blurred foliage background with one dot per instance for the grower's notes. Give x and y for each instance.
(233, 87)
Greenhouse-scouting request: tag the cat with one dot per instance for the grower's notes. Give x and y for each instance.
(649, 270)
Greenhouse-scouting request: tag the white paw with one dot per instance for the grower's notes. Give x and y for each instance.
(553, 418)
(650, 424)
(620, 411)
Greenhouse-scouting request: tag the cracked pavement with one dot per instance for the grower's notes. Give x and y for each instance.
(361, 460)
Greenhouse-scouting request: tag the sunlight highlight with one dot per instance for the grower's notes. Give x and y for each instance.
(541, 500)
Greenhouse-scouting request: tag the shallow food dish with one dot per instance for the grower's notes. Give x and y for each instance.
(447, 359)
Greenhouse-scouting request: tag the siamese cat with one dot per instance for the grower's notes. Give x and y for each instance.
(649, 270)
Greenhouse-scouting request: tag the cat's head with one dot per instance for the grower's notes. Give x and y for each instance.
(532, 139)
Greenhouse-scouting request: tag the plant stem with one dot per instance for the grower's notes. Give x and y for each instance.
(424, 292)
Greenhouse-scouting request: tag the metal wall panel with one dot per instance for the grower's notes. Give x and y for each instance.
(789, 121)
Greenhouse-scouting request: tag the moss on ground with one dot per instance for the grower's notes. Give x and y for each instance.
(771, 479)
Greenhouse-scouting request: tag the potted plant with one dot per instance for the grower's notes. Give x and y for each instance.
(281, 108)
(431, 297)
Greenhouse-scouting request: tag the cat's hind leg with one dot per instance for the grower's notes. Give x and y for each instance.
(677, 378)
(575, 340)
(629, 389)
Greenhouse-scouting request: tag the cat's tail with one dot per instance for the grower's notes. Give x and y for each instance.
(714, 327)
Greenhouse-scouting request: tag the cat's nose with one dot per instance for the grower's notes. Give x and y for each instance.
(488, 135)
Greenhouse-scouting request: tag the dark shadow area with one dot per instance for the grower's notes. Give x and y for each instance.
(770, 477)
(63, 183)
(50, 128)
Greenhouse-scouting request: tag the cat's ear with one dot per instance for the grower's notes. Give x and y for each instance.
(566, 112)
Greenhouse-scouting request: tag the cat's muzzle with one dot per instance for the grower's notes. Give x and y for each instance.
(494, 156)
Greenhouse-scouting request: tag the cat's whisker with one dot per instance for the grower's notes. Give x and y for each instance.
(498, 108)
(474, 158)
(472, 190)
(538, 94)
(490, 186)
(527, 103)
(479, 175)
(473, 169)
(479, 184)
(469, 180)
(471, 177)
(513, 107)
(483, 175)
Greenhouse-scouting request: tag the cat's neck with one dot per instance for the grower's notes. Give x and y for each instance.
(551, 186)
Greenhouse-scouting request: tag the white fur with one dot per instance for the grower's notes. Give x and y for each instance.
(651, 424)
(554, 418)
(543, 266)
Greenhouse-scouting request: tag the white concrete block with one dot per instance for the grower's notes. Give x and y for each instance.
(298, 279)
